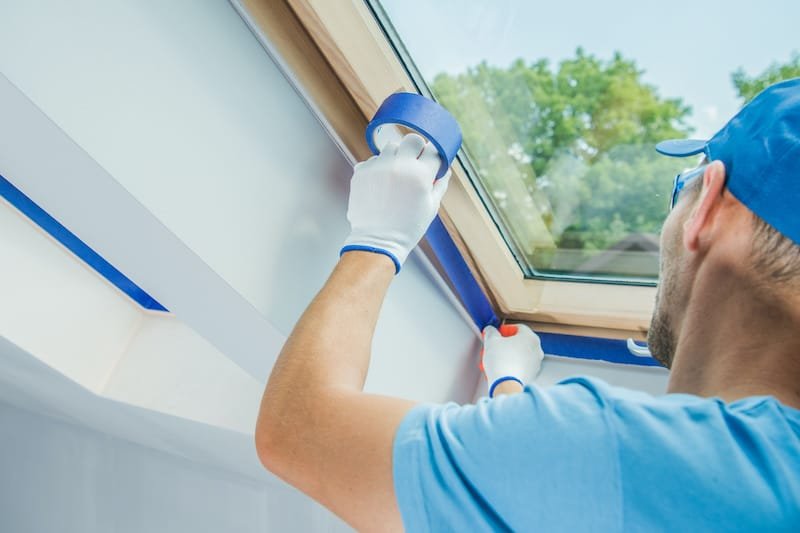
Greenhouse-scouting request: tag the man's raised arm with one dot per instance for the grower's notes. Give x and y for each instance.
(316, 428)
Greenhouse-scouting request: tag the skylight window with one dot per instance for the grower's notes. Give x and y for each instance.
(562, 103)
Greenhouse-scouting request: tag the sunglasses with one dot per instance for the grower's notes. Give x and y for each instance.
(683, 180)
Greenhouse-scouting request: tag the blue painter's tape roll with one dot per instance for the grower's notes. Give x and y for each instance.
(423, 115)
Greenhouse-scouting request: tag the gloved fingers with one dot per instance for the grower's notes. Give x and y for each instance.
(365, 162)
(389, 148)
(490, 334)
(525, 332)
(430, 158)
(411, 146)
(440, 187)
(490, 331)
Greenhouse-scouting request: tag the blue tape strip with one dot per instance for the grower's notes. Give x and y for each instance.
(595, 348)
(423, 115)
(479, 308)
(475, 301)
(40, 217)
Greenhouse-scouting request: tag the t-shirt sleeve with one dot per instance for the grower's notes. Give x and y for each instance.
(542, 459)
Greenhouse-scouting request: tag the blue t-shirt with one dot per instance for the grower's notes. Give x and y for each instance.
(585, 456)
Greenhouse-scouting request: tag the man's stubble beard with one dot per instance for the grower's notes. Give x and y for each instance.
(661, 338)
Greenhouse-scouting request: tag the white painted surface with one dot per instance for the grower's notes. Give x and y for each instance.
(53, 305)
(179, 104)
(74, 461)
(170, 369)
(57, 308)
(28, 383)
(60, 477)
(81, 195)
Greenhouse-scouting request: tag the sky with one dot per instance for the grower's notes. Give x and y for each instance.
(688, 48)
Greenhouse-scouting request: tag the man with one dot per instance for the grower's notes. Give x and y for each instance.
(721, 451)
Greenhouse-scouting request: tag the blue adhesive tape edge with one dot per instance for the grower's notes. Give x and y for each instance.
(482, 314)
(423, 115)
(593, 348)
(41, 218)
(471, 294)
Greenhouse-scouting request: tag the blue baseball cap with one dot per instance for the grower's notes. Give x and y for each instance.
(760, 148)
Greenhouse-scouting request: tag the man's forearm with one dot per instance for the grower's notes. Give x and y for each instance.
(330, 344)
(317, 429)
(328, 350)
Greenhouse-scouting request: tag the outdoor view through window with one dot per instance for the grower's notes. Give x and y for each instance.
(562, 102)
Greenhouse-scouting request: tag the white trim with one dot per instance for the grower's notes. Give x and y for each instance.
(80, 194)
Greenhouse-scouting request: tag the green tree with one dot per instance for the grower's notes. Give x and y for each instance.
(584, 105)
(749, 86)
(566, 150)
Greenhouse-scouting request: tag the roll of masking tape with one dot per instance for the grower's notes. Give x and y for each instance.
(425, 117)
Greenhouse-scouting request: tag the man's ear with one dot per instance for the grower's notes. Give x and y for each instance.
(704, 210)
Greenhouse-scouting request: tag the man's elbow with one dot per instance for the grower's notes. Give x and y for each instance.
(282, 434)
(266, 447)
(286, 446)
(270, 438)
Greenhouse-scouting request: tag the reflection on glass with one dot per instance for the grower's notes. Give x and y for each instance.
(561, 144)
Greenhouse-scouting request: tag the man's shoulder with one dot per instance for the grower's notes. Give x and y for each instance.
(629, 407)
(592, 390)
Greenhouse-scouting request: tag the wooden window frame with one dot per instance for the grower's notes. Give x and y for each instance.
(338, 53)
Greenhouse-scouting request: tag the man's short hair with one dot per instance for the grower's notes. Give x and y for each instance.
(776, 257)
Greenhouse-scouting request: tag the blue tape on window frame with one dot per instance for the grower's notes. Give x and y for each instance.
(41, 218)
(479, 308)
(594, 348)
(475, 301)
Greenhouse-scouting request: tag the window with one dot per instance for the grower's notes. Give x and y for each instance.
(347, 56)
(562, 103)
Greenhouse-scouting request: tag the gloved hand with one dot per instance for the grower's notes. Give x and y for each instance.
(517, 355)
(393, 198)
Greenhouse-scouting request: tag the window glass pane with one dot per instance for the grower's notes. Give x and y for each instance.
(561, 104)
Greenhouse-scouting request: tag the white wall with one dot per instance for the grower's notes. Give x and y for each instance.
(61, 477)
(57, 308)
(169, 368)
(179, 103)
(165, 137)
(39, 281)
(88, 463)
(181, 106)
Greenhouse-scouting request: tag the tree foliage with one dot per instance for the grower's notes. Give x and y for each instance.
(566, 150)
(574, 140)
(584, 105)
(749, 86)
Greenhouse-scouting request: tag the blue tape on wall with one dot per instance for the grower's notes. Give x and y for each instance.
(40, 217)
(456, 268)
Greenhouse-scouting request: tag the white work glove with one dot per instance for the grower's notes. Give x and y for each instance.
(393, 198)
(516, 356)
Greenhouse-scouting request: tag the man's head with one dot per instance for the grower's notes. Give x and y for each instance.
(735, 225)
